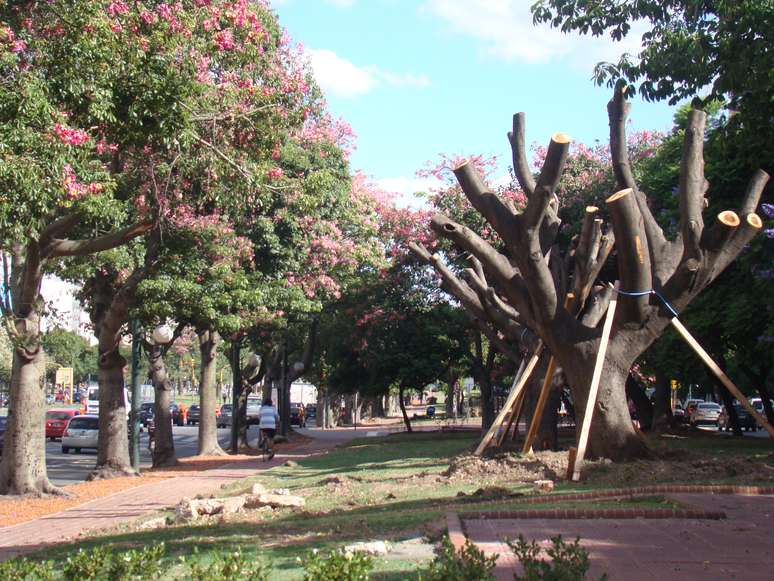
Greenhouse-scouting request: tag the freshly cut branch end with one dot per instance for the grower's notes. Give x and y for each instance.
(754, 220)
(729, 218)
(561, 138)
(618, 195)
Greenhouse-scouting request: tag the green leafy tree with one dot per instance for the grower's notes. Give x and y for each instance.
(68, 349)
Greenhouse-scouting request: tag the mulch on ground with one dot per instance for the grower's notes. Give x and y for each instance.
(15, 510)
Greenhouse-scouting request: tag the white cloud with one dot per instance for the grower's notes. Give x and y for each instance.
(406, 188)
(342, 78)
(505, 27)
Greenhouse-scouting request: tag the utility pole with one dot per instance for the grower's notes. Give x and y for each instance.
(236, 392)
(134, 414)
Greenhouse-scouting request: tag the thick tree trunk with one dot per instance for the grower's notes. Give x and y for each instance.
(662, 405)
(208, 429)
(612, 433)
(642, 405)
(766, 398)
(402, 403)
(113, 452)
(23, 466)
(164, 450)
(451, 391)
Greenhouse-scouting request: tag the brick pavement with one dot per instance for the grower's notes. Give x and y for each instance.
(129, 504)
(738, 547)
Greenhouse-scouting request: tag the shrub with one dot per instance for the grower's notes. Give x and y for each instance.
(337, 566)
(470, 564)
(566, 561)
(227, 566)
(24, 570)
(107, 563)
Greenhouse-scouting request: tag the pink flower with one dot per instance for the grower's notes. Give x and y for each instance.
(18, 46)
(224, 39)
(70, 136)
(105, 147)
(117, 8)
(275, 173)
(147, 17)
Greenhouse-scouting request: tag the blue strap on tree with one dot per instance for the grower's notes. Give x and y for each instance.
(669, 307)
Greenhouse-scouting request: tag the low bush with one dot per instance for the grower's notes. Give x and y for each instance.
(337, 566)
(470, 564)
(565, 562)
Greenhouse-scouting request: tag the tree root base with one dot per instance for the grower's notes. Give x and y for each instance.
(108, 472)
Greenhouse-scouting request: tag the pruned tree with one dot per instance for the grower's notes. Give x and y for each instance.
(528, 278)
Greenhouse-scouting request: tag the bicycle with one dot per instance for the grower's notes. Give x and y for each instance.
(263, 445)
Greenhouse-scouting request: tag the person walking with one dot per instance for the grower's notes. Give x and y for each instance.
(268, 422)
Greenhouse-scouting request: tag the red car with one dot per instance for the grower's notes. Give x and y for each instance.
(56, 421)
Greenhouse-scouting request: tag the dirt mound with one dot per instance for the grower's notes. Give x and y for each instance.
(541, 466)
(668, 467)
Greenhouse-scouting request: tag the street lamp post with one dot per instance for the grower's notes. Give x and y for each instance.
(134, 414)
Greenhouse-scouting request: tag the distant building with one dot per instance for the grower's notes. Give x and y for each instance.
(63, 309)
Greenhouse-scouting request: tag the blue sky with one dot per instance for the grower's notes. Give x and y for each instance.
(423, 77)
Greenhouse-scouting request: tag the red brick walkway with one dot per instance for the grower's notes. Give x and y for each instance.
(129, 504)
(738, 547)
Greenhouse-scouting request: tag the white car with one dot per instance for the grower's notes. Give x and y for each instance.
(81, 432)
(705, 413)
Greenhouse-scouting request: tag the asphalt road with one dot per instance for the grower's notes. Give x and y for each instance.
(72, 468)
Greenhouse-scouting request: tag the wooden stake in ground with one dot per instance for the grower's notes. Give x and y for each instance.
(708, 361)
(545, 390)
(591, 402)
(509, 403)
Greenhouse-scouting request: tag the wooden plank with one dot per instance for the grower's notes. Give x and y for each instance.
(513, 416)
(571, 462)
(510, 401)
(545, 391)
(591, 402)
(725, 380)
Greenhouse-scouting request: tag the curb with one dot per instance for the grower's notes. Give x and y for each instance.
(595, 513)
(456, 534)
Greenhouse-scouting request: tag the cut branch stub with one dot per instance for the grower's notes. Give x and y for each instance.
(547, 182)
(520, 163)
(633, 254)
(692, 185)
(717, 236)
(753, 192)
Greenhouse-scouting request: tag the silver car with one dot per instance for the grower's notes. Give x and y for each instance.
(81, 432)
(705, 413)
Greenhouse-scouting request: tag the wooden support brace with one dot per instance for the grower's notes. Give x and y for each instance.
(591, 402)
(545, 390)
(709, 362)
(514, 415)
(571, 462)
(512, 397)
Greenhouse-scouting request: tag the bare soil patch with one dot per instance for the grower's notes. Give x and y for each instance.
(667, 467)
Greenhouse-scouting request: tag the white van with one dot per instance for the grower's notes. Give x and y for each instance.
(92, 400)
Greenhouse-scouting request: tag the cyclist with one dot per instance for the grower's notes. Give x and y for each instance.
(269, 420)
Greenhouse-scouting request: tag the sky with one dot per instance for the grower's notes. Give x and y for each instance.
(419, 78)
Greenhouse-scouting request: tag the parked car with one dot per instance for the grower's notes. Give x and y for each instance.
(81, 432)
(705, 413)
(690, 407)
(147, 410)
(226, 411)
(194, 414)
(253, 411)
(679, 413)
(3, 427)
(297, 415)
(56, 421)
(746, 421)
(311, 411)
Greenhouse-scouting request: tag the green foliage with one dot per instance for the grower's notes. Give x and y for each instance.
(107, 563)
(226, 566)
(468, 564)
(337, 566)
(566, 562)
(25, 570)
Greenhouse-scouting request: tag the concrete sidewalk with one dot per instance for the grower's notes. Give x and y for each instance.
(738, 547)
(111, 510)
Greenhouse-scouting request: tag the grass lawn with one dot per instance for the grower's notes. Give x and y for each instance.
(394, 488)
